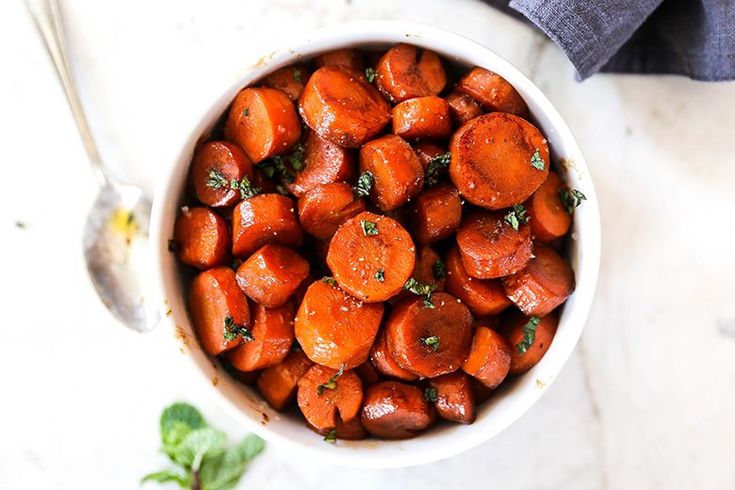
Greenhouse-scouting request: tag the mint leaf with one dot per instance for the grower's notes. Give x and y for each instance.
(177, 421)
(168, 476)
(198, 444)
(537, 161)
(529, 335)
(224, 471)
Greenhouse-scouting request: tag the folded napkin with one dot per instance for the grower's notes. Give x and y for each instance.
(695, 38)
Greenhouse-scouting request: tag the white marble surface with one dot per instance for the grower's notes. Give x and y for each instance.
(647, 401)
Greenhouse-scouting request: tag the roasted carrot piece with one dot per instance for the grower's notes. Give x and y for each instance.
(394, 410)
(340, 106)
(384, 362)
(325, 207)
(489, 357)
(272, 335)
(549, 219)
(429, 268)
(481, 392)
(422, 117)
(371, 257)
(290, 80)
(545, 283)
(278, 383)
(437, 214)
(326, 395)
(215, 165)
(454, 398)
(346, 431)
(347, 58)
(396, 169)
(498, 160)
(483, 296)
(429, 340)
(529, 338)
(334, 329)
(368, 373)
(492, 91)
(406, 71)
(219, 310)
(263, 121)
(272, 274)
(428, 151)
(201, 238)
(324, 163)
(491, 247)
(263, 219)
(462, 107)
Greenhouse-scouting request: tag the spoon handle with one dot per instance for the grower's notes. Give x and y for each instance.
(47, 17)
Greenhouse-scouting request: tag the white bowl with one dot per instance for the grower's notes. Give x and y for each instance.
(445, 440)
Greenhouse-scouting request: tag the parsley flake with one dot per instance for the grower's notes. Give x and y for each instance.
(419, 289)
(329, 280)
(297, 76)
(517, 217)
(571, 198)
(431, 342)
(370, 74)
(217, 180)
(231, 330)
(331, 383)
(369, 228)
(435, 167)
(331, 436)
(529, 335)
(296, 158)
(380, 275)
(537, 162)
(430, 394)
(438, 270)
(246, 112)
(364, 184)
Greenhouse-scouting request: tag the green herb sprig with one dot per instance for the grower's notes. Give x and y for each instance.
(331, 436)
(369, 228)
(217, 180)
(517, 216)
(232, 330)
(370, 74)
(537, 162)
(380, 275)
(420, 289)
(439, 270)
(431, 394)
(331, 383)
(329, 280)
(431, 342)
(571, 199)
(363, 185)
(282, 168)
(435, 167)
(529, 335)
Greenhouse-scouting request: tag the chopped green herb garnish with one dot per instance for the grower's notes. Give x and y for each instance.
(431, 342)
(275, 168)
(419, 289)
(430, 394)
(380, 275)
(439, 270)
(571, 198)
(370, 74)
(364, 184)
(435, 167)
(172, 246)
(529, 335)
(297, 75)
(217, 180)
(329, 280)
(536, 161)
(369, 228)
(232, 330)
(296, 158)
(331, 436)
(246, 112)
(331, 383)
(517, 217)
(236, 263)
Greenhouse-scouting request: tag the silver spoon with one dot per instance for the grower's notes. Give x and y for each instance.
(116, 232)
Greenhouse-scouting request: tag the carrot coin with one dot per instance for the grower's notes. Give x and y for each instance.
(489, 357)
(326, 396)
(215, 166)
(263, 219)
(384, 362)
(437, 214)
(483, 296)
(462, 107)
(272, 335)
(289, 80)
(422, 117)
(529, 338)
(406, 71)
(454, 400)
(493, 92)
(428, 151)
(325, 207)
(346, 431)
(272, 274)
(201, 238)
(549, 219)
(324, 163)
(347, 58)
(394, 410)
(278, 383)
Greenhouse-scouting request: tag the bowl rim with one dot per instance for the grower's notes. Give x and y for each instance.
(387, 454)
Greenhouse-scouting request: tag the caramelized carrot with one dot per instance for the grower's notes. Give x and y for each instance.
(346, 431)
(545, 283)
(325, 396)
(325, 207)
(396, 169)
(482, 296)
(342, 107)
(394, 410)
(263, 121)
(324, 163)
(289, 80)
(462, 107)
(498, 160)
(347, 58)
(492, 91)
(549, 219)
(272, 334)
(437, 214)
(384, 362)
(490, 247)
(529, 338)
(334, 329)
(454, 398)
(429, 268)
(202, 238)
(406, 71)
(422, 117)
(277, 384)
(481, 392)
(368, 374)
(371, 257)
(489, 358)
(272, 274)
(427, 151)
(263, 219)
(219, 310)
(215, 165)
(429, 340)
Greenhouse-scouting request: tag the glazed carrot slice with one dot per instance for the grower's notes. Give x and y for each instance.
(325, 207)
(324, 163)
(340, 106)
(272, 339)
(394, 410)
(437, 214)
(201, 238)
(422, 117)
(483, 296)
(289, 80)
(347, 431)
(368, 374)
(427, 151)
(545, 283)
(498, 160)
(326, 395)
(428, 269)
(529, 338)
(549, 219)
(492, 91)
(406, 71)
(371, 257)
(397, 171)
(490, 247)
(263, 121)
(384, 362)
(462, 107)
(429, 341)
(454, 398)
(263, 219)
(272, 274)
(334, 329)
(481, 392)
(489, 358)
(347, 58)
(278, 383)
(215, 165)
(219, 310)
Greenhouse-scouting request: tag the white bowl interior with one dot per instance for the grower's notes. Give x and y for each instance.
(515, 397)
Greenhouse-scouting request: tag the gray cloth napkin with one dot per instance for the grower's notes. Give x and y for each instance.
(694, 38)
